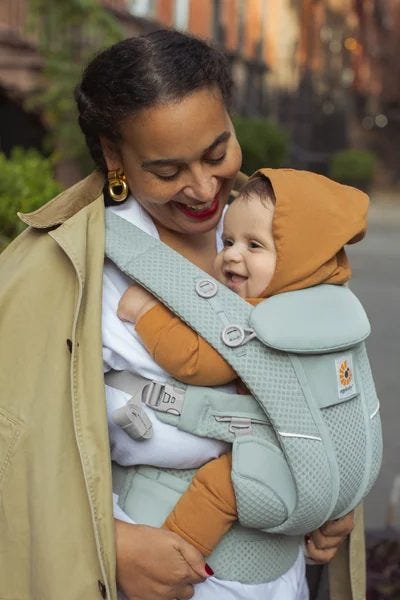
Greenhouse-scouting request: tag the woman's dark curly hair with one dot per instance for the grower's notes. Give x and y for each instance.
(163, 66)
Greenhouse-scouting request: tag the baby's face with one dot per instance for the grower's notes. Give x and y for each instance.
(247, 262)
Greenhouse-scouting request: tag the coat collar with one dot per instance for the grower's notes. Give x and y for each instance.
(66, 204)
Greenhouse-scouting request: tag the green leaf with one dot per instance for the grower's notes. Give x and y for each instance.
(263, 143)
(26, 183)
(69, 33)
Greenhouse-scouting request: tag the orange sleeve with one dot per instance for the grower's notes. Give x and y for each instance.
(181, 351)
(208, 507)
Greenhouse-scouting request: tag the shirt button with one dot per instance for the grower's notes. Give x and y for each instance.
(102, 589)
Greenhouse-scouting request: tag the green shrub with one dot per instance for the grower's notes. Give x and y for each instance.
(26, 182)
(353, 167)
(263, 143)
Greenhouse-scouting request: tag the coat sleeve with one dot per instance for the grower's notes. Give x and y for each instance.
(181, 351)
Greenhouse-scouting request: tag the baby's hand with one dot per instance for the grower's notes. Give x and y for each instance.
(134, 303)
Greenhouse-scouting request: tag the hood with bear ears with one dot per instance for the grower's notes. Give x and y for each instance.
(313, 220)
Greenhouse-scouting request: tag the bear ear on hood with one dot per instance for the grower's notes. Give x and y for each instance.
(358, 237)
(314, 218)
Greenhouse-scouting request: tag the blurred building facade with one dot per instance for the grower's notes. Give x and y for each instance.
(20, 67)
(328, 70)
(377, 77)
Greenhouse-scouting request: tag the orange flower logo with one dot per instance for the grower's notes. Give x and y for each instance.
(345, 373)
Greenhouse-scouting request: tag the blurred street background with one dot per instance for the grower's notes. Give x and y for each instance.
(317, 87)
(376, 281)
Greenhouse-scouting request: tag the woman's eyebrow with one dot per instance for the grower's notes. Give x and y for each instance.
(223, 137)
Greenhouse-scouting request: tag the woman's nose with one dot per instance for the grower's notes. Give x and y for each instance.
(202, 186)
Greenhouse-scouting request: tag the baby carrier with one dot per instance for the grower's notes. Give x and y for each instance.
(307, 444)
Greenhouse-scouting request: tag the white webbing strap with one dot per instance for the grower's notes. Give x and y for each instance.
(131, 417)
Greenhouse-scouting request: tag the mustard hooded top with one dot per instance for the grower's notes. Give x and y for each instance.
(314, 218)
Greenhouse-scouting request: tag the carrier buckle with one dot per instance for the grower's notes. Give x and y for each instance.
(163, 397)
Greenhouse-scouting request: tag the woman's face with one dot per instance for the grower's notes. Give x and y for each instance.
(180, 160)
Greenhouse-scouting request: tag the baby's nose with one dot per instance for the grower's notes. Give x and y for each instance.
(233, 253)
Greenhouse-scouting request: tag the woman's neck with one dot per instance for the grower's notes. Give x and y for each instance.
(200, 249)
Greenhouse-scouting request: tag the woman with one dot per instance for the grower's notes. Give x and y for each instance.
(158, 125)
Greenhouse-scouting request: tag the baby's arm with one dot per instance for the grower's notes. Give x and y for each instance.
(134, 303)
(208, 507)
(173, 345)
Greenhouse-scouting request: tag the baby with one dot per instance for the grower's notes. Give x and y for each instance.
(285, 231)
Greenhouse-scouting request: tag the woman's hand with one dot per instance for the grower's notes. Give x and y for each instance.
(155, 564)
(134, 303)
(322, 544)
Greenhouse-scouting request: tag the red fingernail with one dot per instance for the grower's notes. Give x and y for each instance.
(209, 570)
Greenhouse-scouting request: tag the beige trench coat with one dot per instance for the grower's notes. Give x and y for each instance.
(56, 525)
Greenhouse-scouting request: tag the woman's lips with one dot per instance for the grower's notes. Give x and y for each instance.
(199, 214)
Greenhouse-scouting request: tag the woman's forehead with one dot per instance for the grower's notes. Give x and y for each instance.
(179, 128)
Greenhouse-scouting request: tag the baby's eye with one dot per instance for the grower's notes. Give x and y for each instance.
(227, 243)
(254, 244)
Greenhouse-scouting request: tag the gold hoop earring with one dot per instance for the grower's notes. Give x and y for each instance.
(117, 186)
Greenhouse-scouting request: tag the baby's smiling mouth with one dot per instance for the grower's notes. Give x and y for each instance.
(233, 280)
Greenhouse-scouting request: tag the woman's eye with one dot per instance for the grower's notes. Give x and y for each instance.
(216, 160)
(167, 177)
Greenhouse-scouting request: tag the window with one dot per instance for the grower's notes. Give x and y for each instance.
(142, 8)
(181, 14)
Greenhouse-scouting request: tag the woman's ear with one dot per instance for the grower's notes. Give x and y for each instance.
(111, 154)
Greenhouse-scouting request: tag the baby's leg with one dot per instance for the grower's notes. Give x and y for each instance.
(206, 511)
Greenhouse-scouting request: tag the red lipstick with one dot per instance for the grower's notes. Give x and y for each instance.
(199, 215)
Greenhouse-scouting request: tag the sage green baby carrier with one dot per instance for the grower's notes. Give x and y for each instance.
(306, 445)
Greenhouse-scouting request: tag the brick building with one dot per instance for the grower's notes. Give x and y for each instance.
(326, 69)
(20, 68)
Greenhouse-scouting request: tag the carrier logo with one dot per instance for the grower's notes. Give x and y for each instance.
(345, 376)
(345, 373)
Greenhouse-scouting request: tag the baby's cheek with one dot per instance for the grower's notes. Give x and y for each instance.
(218, 263)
